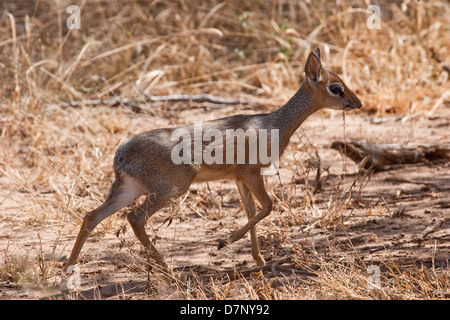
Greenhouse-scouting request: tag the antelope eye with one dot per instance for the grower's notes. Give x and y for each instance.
(336, 89)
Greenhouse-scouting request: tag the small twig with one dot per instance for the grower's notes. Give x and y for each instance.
(15, 56)
(430, 229)
(318, 186)
(439, 59)
(387, 206)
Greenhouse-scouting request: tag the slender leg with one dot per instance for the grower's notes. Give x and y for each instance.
(249, 205)
(137, 219)
(255, 184)
(123, 193)
(163, 187)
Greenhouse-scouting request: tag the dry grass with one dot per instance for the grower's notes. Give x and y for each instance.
(57, 158)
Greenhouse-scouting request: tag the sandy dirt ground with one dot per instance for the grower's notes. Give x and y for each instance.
(386, 220)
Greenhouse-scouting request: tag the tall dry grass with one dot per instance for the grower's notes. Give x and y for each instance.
(56, 158)
(253, 47)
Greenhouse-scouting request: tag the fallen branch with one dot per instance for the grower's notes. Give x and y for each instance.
(195, 98)
(135, 105)
(380, 155)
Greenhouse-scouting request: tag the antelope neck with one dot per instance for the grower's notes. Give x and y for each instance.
(292, 114)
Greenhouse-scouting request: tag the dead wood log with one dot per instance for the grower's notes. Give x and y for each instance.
(380, 155)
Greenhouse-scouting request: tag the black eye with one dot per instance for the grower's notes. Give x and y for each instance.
(336, 89)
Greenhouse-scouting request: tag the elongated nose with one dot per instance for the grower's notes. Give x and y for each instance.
(357, 104)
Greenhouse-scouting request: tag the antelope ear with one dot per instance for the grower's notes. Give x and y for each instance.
(313, 66)
(318, 54)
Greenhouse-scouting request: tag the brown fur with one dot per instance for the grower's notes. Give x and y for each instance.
(144, 164)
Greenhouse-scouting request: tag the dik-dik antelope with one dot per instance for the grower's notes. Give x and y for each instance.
(144, 164)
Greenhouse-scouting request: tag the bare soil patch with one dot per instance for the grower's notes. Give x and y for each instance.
(397, 220)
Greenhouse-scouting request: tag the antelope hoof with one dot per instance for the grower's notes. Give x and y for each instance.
(222, 243)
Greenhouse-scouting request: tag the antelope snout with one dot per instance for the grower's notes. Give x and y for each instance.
(357, 103)
(354, 103)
